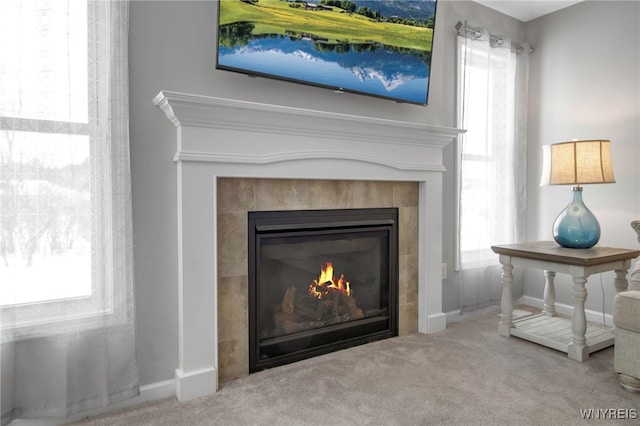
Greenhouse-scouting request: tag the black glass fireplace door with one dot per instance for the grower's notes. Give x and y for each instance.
(320, 281)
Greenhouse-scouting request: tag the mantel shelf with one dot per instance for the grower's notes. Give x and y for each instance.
(184, 109)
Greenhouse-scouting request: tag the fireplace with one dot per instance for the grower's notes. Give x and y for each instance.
(217, 139)
(320, 281)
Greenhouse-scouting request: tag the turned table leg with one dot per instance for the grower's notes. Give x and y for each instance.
(578, 347)
(506, 303)
(549, 294)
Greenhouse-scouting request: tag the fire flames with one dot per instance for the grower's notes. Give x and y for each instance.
(326, 283)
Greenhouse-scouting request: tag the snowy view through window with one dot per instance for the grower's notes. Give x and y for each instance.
(45, 167)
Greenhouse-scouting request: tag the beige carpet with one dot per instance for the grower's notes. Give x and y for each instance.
(466, 375)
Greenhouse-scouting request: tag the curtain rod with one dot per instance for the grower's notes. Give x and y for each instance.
(477, 32)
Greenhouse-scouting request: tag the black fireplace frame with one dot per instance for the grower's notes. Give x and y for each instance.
(266, 353)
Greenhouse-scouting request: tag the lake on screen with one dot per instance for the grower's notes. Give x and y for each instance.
(361, 68)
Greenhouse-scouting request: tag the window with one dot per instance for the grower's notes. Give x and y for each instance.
(49, 168)
(491, 171)
(66, 264)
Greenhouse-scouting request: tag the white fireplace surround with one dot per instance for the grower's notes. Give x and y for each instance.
(219, 138)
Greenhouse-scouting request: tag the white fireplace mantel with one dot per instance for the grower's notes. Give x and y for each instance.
(229, 138)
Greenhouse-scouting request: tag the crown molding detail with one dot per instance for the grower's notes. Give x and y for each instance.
(203, 156)
(203, 111)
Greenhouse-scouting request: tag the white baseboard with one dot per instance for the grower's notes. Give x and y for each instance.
(148, 393)
(455, 316)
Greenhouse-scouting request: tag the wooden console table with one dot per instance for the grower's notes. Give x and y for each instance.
(574, 336)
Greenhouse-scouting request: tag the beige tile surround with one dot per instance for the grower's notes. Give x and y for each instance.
(237, 196)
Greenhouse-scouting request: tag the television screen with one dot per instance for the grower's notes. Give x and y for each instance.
(374, 47)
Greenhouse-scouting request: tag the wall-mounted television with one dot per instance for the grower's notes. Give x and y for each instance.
(379, 48)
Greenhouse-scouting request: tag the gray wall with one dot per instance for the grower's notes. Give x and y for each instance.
(585, 84)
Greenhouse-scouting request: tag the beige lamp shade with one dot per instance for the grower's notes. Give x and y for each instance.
(577, 162)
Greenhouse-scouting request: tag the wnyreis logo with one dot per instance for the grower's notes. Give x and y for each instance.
(609, 414)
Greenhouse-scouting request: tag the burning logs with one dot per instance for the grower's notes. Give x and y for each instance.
(299, 312)
(327, 301)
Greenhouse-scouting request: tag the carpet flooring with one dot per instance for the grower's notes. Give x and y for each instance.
(465, 375)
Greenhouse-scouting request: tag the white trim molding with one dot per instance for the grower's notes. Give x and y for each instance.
(230, 138)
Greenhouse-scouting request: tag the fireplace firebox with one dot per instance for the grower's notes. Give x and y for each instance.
(320, 281)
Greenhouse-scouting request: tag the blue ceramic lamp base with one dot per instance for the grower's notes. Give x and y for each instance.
(576, 226)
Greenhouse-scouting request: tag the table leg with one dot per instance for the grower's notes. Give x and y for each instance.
(549, 294)
(506, 303)
(578, 347)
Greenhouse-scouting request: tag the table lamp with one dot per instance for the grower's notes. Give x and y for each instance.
(575, 163)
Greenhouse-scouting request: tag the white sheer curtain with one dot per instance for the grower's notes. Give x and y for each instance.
(492, 99)
(66, 263)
